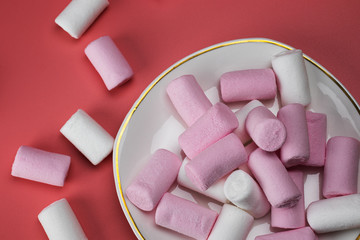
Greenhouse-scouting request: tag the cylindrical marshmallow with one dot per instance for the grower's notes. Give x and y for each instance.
(293, 83)
(241, 115)
(79, 15)
(296, 148)
(215, 191)
(108, 62)
(294, 217)
(298, 234)
(334, 214)
(40, 166)
(188, 98)
(60, 222)
(248, 84)
(341, 166)
(243, 191)
(232, 224)
(185, 217)
(216, 161)
(216, 123)
(317, 130)
(88, 137)
(274, 179)
(146, 190)
(265, 129)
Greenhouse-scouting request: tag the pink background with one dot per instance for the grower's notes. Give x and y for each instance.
(45, 77)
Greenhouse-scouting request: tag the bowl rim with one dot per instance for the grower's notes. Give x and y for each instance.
(133, 109)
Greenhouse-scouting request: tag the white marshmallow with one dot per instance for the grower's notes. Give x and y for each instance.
(88, 137)
(244, 192)
(60, 222)
(241, 115)
(215, 191)
(231, 224)
(334, 214)
(293, 83)
(79, 15)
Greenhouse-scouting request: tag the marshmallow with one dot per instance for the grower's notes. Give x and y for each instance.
(298, 234)
(60, 222)
(88, 137)
(215, 191)
(341, 167)
(79, 15)
(272, 176)
(247, 85)
(265, 129)
(108, 62)
(291, 217)
(154, 180)
(188, 98)
(334, 214)
(40, 166)
(245, 193)
(241, 115)
(185, 217)
(293, 83)
(216, 123)
(296, 148)
(316, 124)
(216, 161)
(232, 224)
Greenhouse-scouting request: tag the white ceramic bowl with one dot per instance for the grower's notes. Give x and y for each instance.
(146, 126)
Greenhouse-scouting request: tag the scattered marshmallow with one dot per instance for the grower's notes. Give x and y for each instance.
(304, 233)
(215, 191)
(250, 84)
(241, 115)
(60, 222)
(243, 191)
(296, 149)
(293, 83)
(274, 179)
(185, 217)
(216, 123)
(316, 124)
(88, 137)
(232, 224)
(108, 62)
(79, 15)
(291, 218)
(265, 129)
(334, 214)
(341, 166)
(40, 166)
(188, 98)
(154, 180)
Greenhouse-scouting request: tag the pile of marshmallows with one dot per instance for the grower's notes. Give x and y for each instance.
(58, 219)
(258, 178)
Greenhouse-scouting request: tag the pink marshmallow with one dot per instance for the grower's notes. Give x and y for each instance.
(216, 161)
(216, 123)
(248, 84)
(316, 124)
(294, 217)
(154, 180)
(108, 62)
(304, 233)
(296, 148)
(248, 149)
(265, 129)
(185, 217)
(41, 166)
(274, 179)
(188, 98)
(341, 167)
